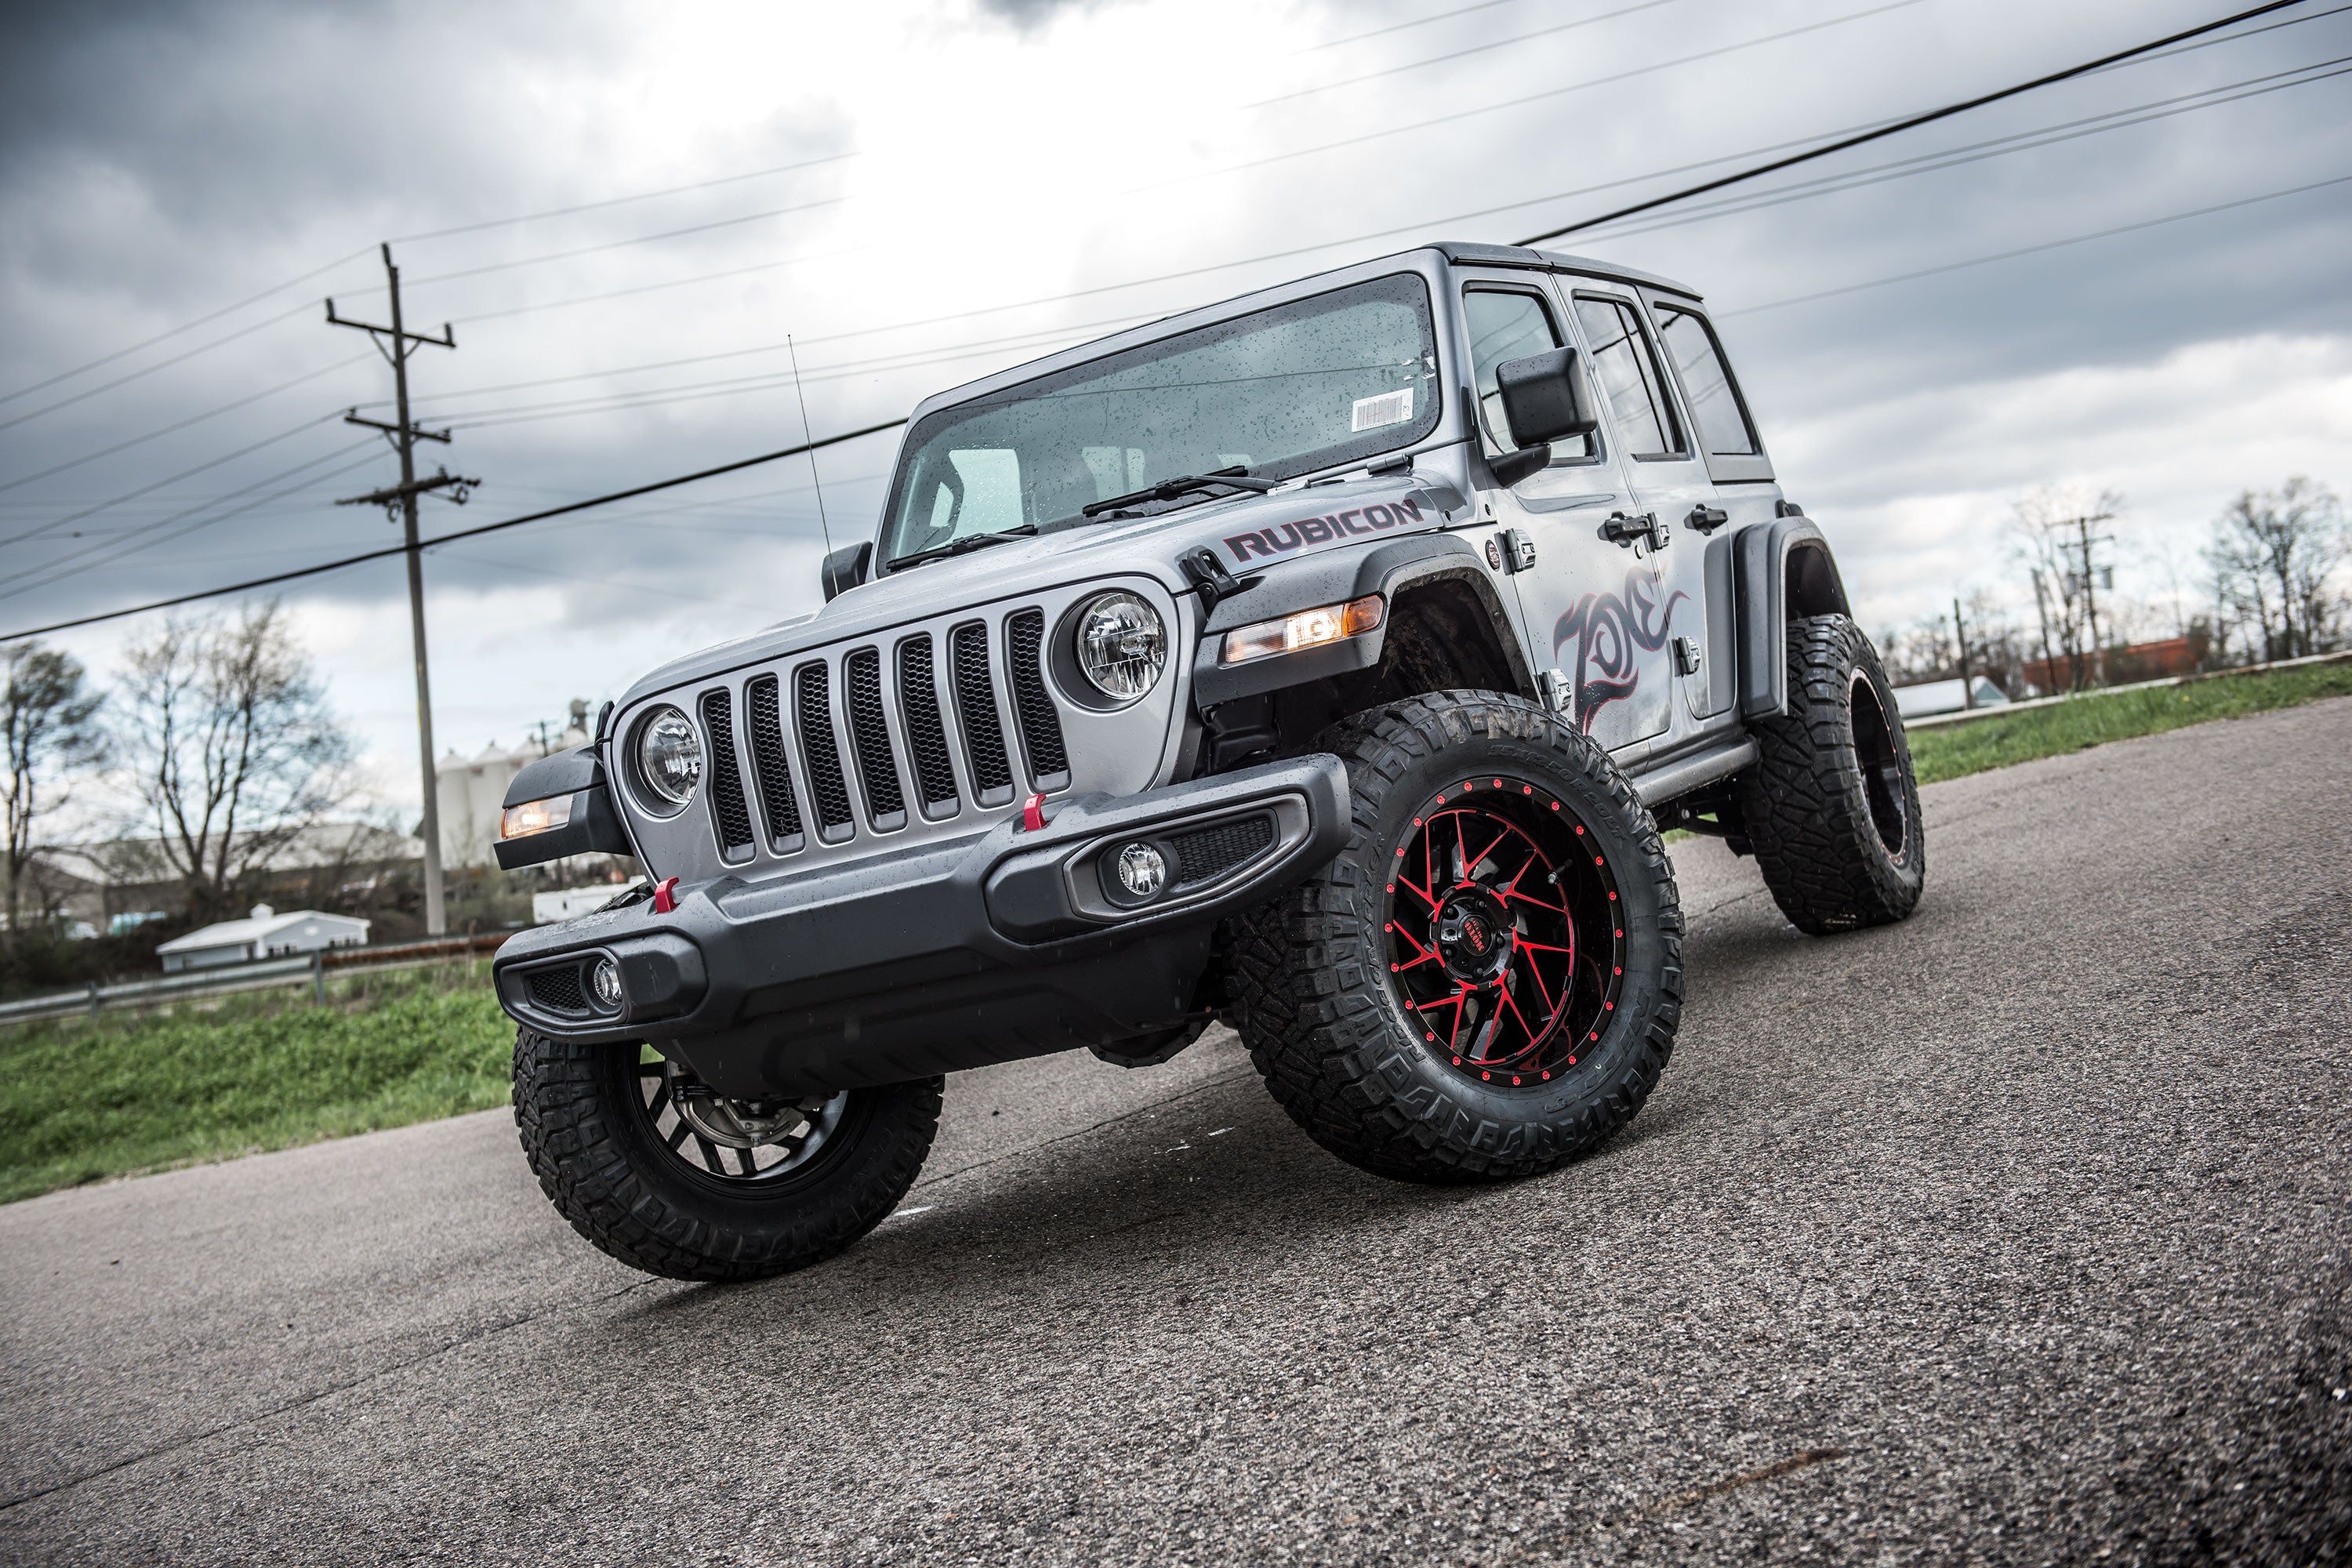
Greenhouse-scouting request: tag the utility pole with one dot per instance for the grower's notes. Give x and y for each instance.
(2084, 542)
(400, 501)
(1960, 636)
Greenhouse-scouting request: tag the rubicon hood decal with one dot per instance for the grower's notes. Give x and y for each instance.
(1329, 528)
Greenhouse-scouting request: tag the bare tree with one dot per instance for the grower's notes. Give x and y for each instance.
(2053, 541)
(2273, 557)
(48, 721)
(231, 746)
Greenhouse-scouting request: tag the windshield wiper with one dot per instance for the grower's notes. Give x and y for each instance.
(964, 546)
(1170, 490)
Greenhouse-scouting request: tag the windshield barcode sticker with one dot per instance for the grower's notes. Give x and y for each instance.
(1388, 409)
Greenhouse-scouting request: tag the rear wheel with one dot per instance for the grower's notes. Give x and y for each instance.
(1831, 806)
(1488, 979)
(653, 1166)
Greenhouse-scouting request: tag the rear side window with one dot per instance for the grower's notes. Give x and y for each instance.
(1627, 368)
(1716, 404)
(1508, 325)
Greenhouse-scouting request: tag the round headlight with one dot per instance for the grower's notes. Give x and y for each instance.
(669, 756)
(1122, 645)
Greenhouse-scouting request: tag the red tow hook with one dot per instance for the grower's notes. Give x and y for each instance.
(1033, 814)
(666, 895)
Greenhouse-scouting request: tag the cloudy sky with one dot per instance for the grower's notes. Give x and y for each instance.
(625, 213)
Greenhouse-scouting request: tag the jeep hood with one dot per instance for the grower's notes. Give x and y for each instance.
(1244, 533)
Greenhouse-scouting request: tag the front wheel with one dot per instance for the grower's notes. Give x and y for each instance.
(1486, 981)
(667, 1175)
(1831, 808)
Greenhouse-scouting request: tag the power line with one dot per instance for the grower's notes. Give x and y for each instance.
(393, 550)
(301, 310)
(53, 575)
(2000, 147)
(1460, 54)
(1401, 26)
(186, 327)
(160, 484)
(2032, 249)
(182, 425)
(623, 243)
(1909, 123)
(619, 201)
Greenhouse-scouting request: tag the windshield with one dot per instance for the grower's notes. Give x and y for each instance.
(1337, 378)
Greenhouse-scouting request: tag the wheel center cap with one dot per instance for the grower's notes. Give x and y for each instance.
(1474, 935)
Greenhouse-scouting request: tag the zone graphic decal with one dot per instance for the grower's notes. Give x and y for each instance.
(1611, 631)
(1284, 537)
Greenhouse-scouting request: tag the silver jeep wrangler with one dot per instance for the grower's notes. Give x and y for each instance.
(1325, 661)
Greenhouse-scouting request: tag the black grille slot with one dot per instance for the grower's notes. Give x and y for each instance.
(764, 715)
(869, 732)
(1211, 852)
(558, 990)
(975, 695)
(1040, 726)
(813, 694)
(729, 815)
(918, 702)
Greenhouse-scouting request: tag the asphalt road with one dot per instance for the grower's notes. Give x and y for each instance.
(2017, 1232)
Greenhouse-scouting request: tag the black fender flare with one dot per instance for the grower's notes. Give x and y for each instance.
(1783, 568)
(1335, 577)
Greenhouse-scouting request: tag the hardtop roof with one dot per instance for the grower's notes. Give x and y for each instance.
(1453, 251)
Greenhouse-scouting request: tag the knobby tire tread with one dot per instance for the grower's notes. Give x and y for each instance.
(565, 1123)
(1310, 1005)
(1802, 802)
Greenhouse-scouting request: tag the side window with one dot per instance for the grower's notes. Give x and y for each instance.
(1715, 401)
(1508, 325)
(1627, 368)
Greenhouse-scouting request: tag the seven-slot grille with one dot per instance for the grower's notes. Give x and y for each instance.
(727, 814)
(793, 744)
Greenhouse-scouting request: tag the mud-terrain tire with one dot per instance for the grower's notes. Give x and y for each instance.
(608, 1172)
(1326, 1018)
(1831, 806)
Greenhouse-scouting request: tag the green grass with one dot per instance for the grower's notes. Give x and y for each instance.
(1955, 751)
(81, 1099)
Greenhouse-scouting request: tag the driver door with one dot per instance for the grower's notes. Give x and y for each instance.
(1584, 599)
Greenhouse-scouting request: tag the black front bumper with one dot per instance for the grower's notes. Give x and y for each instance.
(942, 956)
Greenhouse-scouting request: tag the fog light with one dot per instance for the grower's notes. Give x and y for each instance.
(1142, 870)
(605, 977)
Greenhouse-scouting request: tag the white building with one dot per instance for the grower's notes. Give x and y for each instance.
(472, 791)
(265, 933)
(1946, 697)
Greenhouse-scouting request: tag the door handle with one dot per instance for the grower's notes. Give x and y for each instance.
(1707, 518)
(1621, 529)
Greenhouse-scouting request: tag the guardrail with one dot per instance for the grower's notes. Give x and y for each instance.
(258, 974)
(1970, 715)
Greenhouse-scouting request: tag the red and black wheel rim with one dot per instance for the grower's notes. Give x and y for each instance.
(1505, 935)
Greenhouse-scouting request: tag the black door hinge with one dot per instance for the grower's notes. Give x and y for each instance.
(1518, 550)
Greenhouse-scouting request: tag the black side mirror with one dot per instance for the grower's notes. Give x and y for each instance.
(1545, 398)
(846, 568)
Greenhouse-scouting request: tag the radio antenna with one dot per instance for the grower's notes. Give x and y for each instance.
(810, 439)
